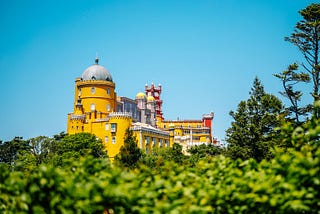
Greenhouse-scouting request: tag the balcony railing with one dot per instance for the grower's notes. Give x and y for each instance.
(77, 117)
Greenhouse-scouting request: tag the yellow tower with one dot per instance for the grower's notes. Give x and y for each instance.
(95, 109)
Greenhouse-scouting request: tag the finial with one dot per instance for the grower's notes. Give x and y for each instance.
(97, 58)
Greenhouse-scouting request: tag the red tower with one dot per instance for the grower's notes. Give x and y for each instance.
(155, 92)
(207, 122)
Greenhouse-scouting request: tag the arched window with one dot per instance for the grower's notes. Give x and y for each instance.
(92, 107)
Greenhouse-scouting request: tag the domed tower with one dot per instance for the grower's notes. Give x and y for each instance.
(95, 94)
(141, 104)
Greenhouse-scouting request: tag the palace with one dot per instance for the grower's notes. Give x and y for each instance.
(98, 110)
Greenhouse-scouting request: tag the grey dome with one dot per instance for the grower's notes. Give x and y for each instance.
(96, 72)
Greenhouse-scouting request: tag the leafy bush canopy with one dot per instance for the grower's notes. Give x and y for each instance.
(288, 183)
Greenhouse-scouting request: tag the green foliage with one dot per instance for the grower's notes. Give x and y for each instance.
(130, 154)
(289, 78)
(203, 151)
(306, 134)
(160, 156)
(287, 184)
(10, 150)
(26, 155)
(252, 133)
(306, 37)
(72, 147)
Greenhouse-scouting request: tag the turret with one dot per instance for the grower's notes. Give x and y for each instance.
(141, 103)
(151, 105)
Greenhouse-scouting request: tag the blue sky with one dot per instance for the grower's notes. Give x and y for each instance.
(204, 53)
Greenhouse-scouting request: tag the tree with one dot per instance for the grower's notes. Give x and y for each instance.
(203, 151)
(306, 37)
(130, 154)
(289, 78)
(10, 150)
(81, 144)
(78, 145)
(252, 132)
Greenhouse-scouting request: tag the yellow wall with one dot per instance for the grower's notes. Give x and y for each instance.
(97, 92)
(147, 141)
(117, 127)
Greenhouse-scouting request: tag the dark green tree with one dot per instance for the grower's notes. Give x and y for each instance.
(81, 144)
(78, 145)
(306, 37)
(203, 151)
(289, 78)
(130, 154)
(252, 132)
(10, 150)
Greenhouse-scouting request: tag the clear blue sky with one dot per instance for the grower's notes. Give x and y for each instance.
(204, 53)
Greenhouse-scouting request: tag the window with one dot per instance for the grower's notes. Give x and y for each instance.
(92, 107)
(93, 90)
(161, 142)
(113, 140)
(154, 141)
(106, 139)
(113, 127)
(108, 90)
(108, 107)
(107, 126)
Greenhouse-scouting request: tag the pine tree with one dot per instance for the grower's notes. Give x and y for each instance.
(306, 37)
(130, 154)
(252, 132)
(289, 79)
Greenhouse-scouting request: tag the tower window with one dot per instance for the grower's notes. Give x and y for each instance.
(113, 140)
(108, 90)
(92, 107)
(113, 127)
(93, 90)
